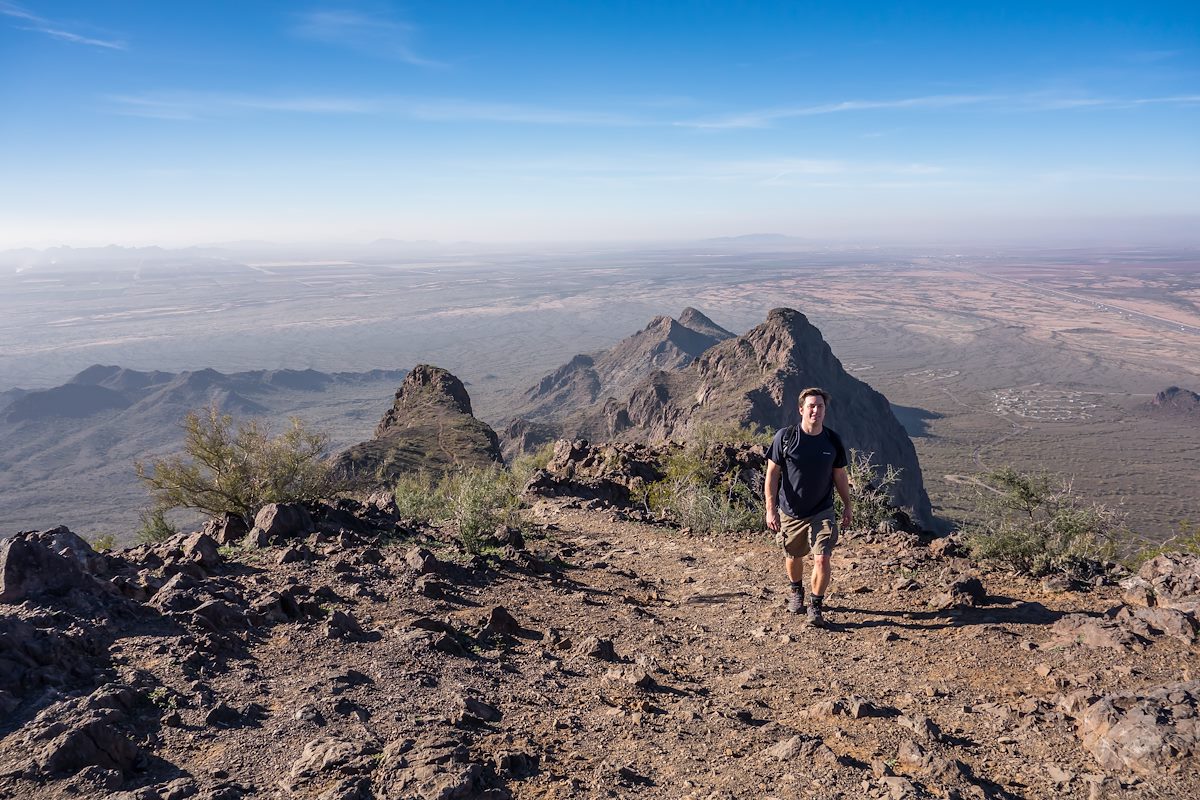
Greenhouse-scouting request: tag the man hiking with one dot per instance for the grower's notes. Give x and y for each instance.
(808, 462)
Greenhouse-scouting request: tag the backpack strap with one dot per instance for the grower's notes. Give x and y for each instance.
(789, 438)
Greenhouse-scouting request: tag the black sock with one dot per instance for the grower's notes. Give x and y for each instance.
(817, 600)
(798, 587)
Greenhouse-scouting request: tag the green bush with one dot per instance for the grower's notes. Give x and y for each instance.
(417, 496)
(697, 494)
(238, 469)
(155, 527)
(475, 501)
(104, 543)
(870, 491)
(1038, 526)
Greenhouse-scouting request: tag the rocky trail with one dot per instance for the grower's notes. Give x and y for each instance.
(335, 652)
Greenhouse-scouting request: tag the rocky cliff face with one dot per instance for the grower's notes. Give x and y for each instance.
(430, 426)
(755, 379)
(664, 344)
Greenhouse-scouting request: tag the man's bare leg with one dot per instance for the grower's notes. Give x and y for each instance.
(820, 582)
(820, 574)
(795, 568)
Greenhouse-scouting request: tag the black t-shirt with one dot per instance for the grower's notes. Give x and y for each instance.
(806, 483)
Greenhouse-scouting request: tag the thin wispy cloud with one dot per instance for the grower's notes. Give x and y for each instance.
(56, 30)
(205, 105)
(1035, 101)
(765, 117)
(1179, 100)
(372, 34)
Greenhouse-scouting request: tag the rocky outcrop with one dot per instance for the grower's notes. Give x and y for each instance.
(430, 426)
(1175, 401)
(755, 380)
(609, 473)
(51, 562)
(664, 344)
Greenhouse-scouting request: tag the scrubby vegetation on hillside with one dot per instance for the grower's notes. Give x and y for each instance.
(475, 500)
(238, 468)
(1037, 525)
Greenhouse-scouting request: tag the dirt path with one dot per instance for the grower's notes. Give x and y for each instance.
(622, 659)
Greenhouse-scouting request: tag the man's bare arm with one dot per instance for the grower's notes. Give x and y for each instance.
(841, 482)
(771, 494)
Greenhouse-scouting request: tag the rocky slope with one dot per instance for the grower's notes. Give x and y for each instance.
(335, 651)
(430, 426)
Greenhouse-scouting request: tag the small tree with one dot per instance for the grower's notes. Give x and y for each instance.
(1036, 525)
(238, 469)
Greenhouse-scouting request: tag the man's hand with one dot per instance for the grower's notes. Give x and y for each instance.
(773, 519)
(847, 517)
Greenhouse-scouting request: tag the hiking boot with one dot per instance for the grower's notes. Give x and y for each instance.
(815, 618)
(795, 603)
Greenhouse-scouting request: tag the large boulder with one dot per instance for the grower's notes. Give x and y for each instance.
(49, 562)
(1147, 732)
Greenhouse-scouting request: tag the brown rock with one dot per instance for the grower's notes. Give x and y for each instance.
(283, 520)
(201, 549)
(33, 564)
(1146, 732)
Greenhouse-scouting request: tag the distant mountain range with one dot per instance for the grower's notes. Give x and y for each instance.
(237, 253)
(67, 452)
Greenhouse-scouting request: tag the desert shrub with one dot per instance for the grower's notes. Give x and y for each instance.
(524, 465)
(1037, 525)
(708, 434)
(155, 527)
(479, 500)
(104, 543)
(696, 494)
(417, 496)
(1185, 541)
(238, 469)
(870, 490)
(474, 500)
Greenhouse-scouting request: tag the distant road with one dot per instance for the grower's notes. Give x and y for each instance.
(1103, 306)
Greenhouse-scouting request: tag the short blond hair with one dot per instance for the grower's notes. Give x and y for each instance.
(813, 391)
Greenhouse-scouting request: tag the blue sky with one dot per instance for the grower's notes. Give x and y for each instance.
(189, 122)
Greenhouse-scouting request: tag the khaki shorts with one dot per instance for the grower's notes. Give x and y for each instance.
(799, 537)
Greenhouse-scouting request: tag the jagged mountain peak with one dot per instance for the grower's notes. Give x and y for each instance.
(664, 343)
(427, 384)
(755, 379)
(429, 427)
(698, 321)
